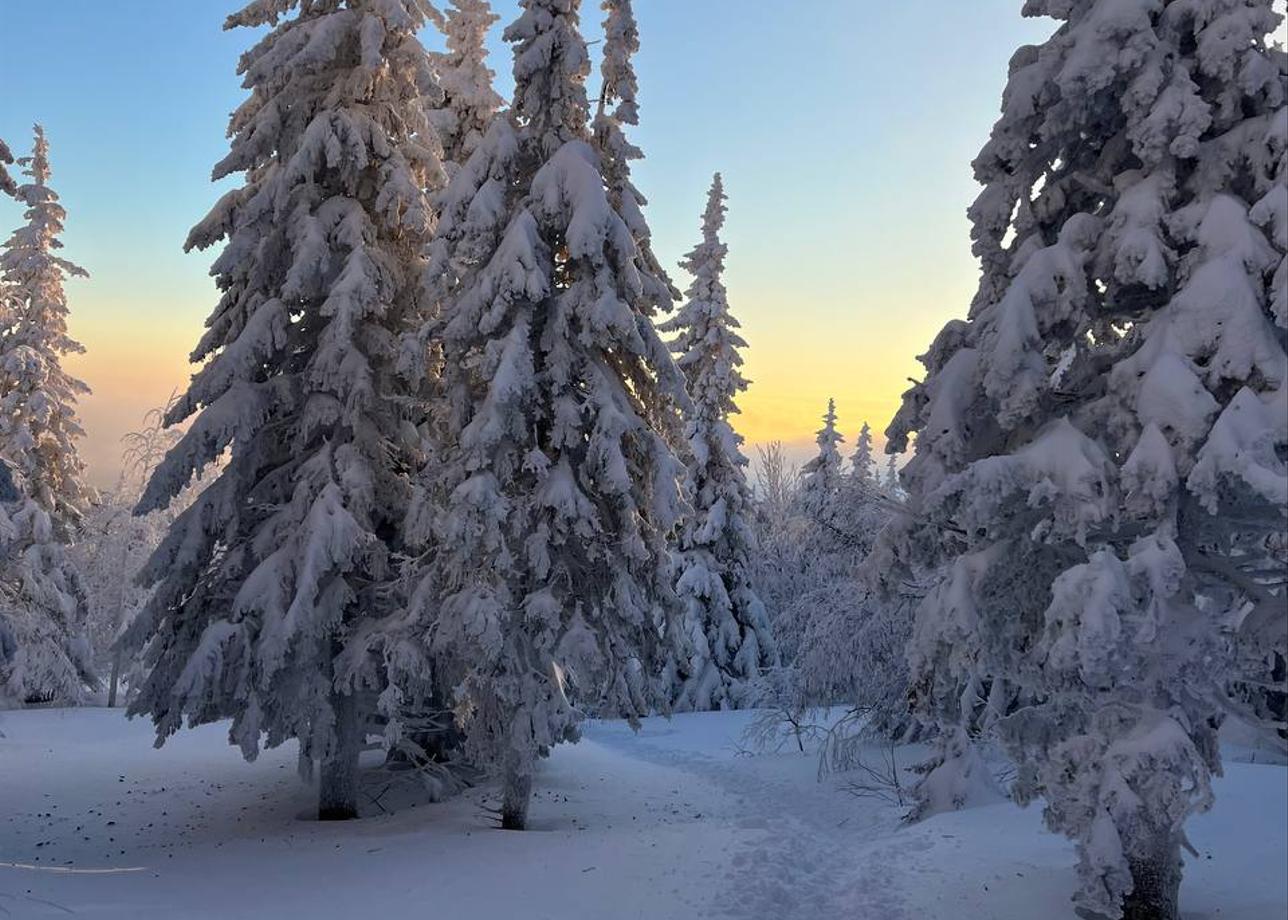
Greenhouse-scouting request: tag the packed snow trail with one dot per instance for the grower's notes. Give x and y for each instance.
(674, 823)
(798, 844)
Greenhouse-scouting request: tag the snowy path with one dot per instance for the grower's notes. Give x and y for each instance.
(669, 824)
(796, 840)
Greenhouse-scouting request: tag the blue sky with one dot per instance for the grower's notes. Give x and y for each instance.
(844, 129)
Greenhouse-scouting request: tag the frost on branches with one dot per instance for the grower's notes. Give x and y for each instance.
(824, 552)
(271, 604)
(42, 612)
(45, 654)
(805, 561)
(1100, 447)
(722, 643)
(7, 184)
(850, 639)
(841, 643)
(113, 546)
(558, 486)
(469, 101)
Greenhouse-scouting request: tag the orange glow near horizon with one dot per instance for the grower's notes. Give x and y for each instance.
(129, 371)
(862, 356)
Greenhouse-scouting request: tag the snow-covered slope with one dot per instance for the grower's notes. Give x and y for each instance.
(678, 821)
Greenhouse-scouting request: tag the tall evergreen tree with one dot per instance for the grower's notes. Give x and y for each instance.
(1099, 464)
(39, 427)
(891, 482)
(723, 643)
(823, 476)
(469, 101)
(863, 466)
(43, 600)
(271, 604)
(559, 489)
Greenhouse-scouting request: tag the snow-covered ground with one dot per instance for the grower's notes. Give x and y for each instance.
(677, 821)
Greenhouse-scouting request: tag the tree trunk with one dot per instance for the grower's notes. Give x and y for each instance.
(516, 790)
(118, 623)
(1156, 881)
(338, 784)
(115, 679)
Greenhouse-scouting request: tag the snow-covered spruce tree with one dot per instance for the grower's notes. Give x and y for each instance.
(863, 467)
(1099, 470)
(38, 422)
(891, 481)
(43, 600)
(45, 655)
(560, 488)
(863, 503)
(271, 604)
(469, 101)
(823, 476)
(722, 643)
(860, 507)
(460, 119)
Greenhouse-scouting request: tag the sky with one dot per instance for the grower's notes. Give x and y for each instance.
(844, 130)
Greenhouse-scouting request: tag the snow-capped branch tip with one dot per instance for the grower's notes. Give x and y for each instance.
(6, 158)
(44, 212)
(469, 99)
(550, 68)
(828, 431)
(621, 42)
(434, 15)
(271, 12)
(713, 217)
(37, 165)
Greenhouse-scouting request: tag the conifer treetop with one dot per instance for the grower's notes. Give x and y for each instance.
(621, 43)
(550, 69)
(707, 343)
(828, 439)
(40, 428)
(821, 476)
(862, 463)
(469, 101)
(617, 109)
(709, 255)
